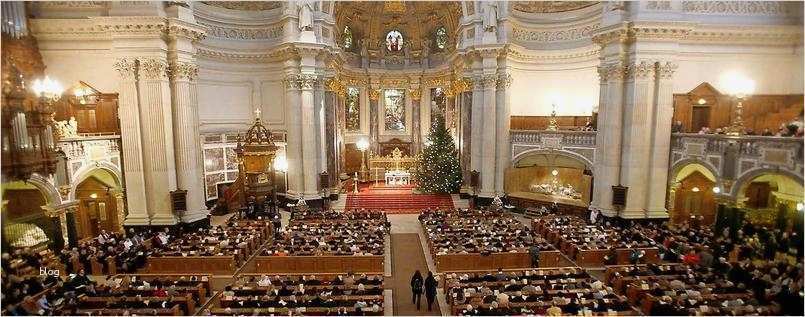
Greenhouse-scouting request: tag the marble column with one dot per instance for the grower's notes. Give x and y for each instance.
(188, 145)
(331, 137)
(159, 161)
(309, 136)
(293, 149)
(502, 126)
(608, 138)
(121, 212)
(466, 139)
(636, 137)
(416, 105)
(374, 96)
(476, 125)
(489, 136)
(661, 140)
(129, 113)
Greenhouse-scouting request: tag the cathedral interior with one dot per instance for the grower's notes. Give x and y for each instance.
(348, 157)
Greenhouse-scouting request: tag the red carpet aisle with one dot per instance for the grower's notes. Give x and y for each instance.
(395, 199)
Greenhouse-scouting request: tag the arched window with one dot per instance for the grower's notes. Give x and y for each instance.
(394, 41)
(441, 38)
(347, 37)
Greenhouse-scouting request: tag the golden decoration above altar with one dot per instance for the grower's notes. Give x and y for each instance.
(395, 161)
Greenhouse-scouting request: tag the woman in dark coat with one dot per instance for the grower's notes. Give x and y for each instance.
(430, 289)
(416, 288)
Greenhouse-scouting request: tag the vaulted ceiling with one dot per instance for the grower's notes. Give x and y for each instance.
(414, 19)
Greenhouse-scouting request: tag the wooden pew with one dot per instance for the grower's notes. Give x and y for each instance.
(320, 264)
(216, 265)
(494, 261)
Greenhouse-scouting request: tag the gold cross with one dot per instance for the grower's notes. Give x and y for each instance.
(257, 113)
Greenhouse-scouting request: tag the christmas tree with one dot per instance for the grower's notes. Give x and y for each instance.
(438, 170)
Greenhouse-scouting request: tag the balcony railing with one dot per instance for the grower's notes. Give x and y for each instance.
(566, 138)
(734, 156)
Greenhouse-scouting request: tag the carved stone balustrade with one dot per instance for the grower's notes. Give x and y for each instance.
(738, 158)
(578, 144)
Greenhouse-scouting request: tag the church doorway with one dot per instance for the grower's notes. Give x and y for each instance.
(693, 195)
(97, 204)
(772, 200)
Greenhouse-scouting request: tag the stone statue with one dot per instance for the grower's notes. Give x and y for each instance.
(305, 15)
(425, 53)
(490, 16)
(66, 129)
(364, 53)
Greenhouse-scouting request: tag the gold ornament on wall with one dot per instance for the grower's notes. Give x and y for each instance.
(374, 94)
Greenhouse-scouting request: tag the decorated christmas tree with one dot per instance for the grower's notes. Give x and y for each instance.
(438, 170)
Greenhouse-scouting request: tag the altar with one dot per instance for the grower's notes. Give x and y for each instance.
(398, 178)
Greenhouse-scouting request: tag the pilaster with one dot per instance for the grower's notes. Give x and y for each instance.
(188, 145)
(293, 149)
(415, 94)
(309, 136)
(131, 142)
(489, 136)
(476, 125)
(502, 125)
(608, 138)
(660, 143)
(157, 133)
(636, 137)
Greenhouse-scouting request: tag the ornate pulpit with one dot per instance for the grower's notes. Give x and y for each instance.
(256, 153)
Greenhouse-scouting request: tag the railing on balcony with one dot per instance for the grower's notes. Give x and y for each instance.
(567, 138)
(733, 156)
(575, 143)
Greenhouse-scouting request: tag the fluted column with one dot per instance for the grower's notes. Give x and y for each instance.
(636, 137)
(309, 131)
(120, 205)
(489, 136)
(374, 96)
(129, 114)
(476, 115)
(293, 150)
(416, 97)
(188, 146)
(608, 138)
(157, 132)
(502, 125)
(661, 140)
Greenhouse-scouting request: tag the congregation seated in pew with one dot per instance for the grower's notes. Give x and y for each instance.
(362, 237)
(550, 291)
(478, 232)
(327, 294)
(329, 214)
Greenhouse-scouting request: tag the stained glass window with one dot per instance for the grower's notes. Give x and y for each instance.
(353, 109)
(441, 37)
(347, 37)
(395, 109)
(394, 41)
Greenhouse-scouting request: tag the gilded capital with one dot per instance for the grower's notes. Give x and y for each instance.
(641, 70)
(666, 70)
(181, 70)
(126, 68)
(152, 68)
(374, 94)
(416, 94)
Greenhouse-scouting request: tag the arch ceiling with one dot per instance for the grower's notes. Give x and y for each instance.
(550, 6)
(689, 169)
(415, 20)
(784, 184)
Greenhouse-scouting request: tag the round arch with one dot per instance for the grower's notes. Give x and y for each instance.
(568, 154)
(706, 168)
(749, 176)
(84, 172)
(51, 193)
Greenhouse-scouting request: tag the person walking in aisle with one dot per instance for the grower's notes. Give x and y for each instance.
(416, 288)
(430, 289)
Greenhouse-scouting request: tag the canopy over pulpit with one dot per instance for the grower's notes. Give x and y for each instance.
(256, 153)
